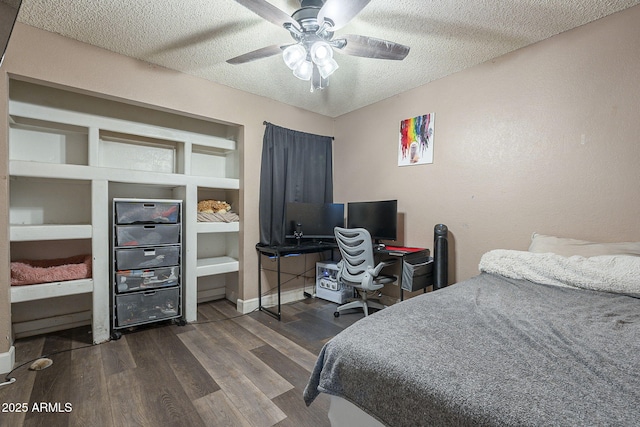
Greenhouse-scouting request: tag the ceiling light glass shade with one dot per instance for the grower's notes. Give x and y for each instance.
(327, 68)
(294, 55)
(321, 52)
(304, 70)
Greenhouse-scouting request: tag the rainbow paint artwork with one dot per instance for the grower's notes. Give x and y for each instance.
(416, 141)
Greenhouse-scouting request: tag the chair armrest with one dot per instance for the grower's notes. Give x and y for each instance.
(376, 270)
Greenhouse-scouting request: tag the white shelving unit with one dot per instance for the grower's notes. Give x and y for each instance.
(216, 265)
(50, 290)
(67, 165)
(26, 233)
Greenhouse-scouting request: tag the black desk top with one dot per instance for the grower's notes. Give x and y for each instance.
(310, 247)
(293, 248)
(400, 251)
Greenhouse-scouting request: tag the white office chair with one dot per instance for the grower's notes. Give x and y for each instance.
(357, 268)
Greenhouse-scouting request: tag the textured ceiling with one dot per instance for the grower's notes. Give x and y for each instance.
(198, 36)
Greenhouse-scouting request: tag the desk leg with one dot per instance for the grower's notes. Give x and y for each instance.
(260, 307)
(279, 312)
(400, 278)
(259, 281)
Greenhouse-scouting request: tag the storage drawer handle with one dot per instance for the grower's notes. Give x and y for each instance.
(149, 205)
(149, 293)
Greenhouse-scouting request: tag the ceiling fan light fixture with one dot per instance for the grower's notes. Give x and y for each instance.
(312, 27)
(294, 55)
(321, 52)
(304, 70)
(327, 68)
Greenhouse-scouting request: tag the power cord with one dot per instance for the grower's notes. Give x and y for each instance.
(10, 380)
(265, 293)
(296, 276)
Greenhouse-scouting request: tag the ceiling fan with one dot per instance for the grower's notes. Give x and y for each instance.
(312, 27)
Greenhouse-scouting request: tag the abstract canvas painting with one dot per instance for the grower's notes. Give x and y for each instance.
(416, 140)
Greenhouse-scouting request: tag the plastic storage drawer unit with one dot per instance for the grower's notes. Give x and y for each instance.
(135, 280)
(142, 258)
(147, 212)
(147, 234)
(143, 307)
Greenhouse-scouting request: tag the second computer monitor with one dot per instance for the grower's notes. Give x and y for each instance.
(380, 218)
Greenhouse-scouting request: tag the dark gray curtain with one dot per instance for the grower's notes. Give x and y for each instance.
(296, 167)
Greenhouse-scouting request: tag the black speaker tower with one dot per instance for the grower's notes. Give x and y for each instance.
(440, 255)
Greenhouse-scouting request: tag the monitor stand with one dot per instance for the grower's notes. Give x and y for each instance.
(298, 233)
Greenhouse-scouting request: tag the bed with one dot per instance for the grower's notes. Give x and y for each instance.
(537, 338)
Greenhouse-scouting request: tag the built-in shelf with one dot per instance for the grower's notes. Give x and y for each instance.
(50, 290)
(22, 110)
(216, 265)
(81, 172)
(25, 233)
(71, 154)
(218, 227)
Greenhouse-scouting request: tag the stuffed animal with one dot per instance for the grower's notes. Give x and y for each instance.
(213, 206)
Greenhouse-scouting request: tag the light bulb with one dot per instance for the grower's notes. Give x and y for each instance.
(304, 70)
(327, 68)
(321, 52)
(293, 55)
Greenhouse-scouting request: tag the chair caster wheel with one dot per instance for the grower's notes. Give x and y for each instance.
(336, 314)
(115, 335)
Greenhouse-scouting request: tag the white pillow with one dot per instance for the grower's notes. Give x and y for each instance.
(541, 243)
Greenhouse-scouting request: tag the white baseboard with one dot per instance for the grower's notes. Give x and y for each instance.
(7, 360)
(211, 295)
(247, 306)
(51, 324)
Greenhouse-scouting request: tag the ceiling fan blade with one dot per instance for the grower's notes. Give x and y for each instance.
(340, 12)
(370, 47)
(269, 12)
(264, 52)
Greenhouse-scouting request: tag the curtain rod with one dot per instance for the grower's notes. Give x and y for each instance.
(264, 123)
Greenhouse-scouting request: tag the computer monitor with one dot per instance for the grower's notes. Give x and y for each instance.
(8, 14)
(380, 218)
(313, 220)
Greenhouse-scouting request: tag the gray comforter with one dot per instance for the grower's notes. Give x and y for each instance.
(491, 351)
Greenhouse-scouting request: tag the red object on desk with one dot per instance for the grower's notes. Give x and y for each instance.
(402, 249)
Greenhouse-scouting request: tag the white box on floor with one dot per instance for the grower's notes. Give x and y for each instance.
(327, 285)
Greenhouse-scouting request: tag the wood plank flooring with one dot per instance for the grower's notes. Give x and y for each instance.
(224, 370)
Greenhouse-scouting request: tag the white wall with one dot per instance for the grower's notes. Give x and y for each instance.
(545, 139)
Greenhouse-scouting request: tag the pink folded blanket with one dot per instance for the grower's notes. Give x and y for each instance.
(29, 272)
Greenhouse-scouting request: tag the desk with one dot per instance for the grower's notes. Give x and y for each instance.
(405, 254)
(278, 252)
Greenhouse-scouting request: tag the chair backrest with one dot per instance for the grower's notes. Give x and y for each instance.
(356, 249)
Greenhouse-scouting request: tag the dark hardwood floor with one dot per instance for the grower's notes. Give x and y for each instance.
(220, 371)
